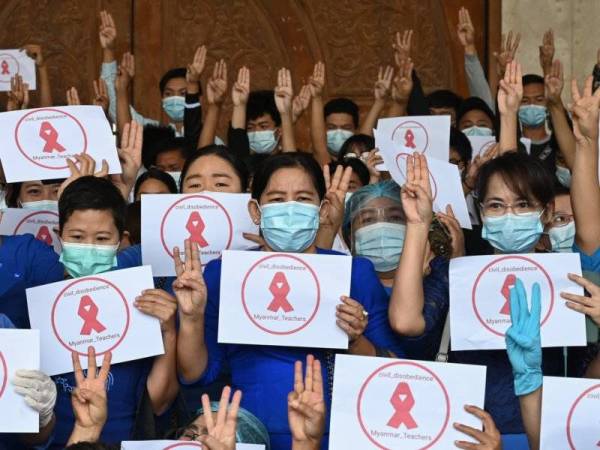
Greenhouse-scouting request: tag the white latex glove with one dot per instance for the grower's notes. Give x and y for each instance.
(39, 391)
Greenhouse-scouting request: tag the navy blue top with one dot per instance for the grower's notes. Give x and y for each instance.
(265, 374)
(25, 262)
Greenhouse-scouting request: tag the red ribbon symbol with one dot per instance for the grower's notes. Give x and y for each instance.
(508, 283)
(49, 134)
(409, 139)
(403, 401)
(88, 311)
(4, 66)
(195, 226)
(44, 235)
(280, 288)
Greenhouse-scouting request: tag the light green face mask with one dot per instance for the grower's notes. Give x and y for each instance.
(82, 260)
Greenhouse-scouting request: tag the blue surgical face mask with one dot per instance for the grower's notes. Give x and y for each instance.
(532, 115)
(478, 131)
(262, 142)
(82, 260)
(41, 205)
(381, 243)
(562, 238)
(336, 138)
(564, 176)
(513, 233)
(289, 226)
(174, 106)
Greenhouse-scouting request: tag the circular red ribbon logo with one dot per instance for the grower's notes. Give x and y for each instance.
(43, 232)
(411, 134)
(9, 67)
(578, 402)
(184, 445)
(4, 373)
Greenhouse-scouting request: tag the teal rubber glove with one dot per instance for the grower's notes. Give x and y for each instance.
(523, 342)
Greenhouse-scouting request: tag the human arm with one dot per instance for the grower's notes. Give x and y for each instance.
(125, 74)
(239, 97)
(510, 94)
(585, 190)
(35, 52)
(337, 187)
(284, 94)
(547, 52)
(402, 88)
(130, 157)
(18, 96)
(192, 115)
(216, 89)
(508, 49)
(407, 301)
(318, 133)
(382, 90)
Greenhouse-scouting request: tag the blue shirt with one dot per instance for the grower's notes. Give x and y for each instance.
(5, 322)
(265, 374)
(25, 262)
(589, 263)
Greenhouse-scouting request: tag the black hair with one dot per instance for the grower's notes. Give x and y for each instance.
(366, 142)
(133, 222)
(358, 167)
(525, 175)
(462, 145)
(559, 189)
(222, 152)
(261, 103)
(92, 446)
(532, 78)
(472, 103)
(156, 137)
(91, 192)
(178, 72)
(342, 105)
(299, 160)
(13, 191)
(444, 98)
(155, 174)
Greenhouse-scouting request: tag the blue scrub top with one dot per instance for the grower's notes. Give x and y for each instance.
(265, 374)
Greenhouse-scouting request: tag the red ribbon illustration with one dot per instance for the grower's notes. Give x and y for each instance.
(409, 139)
(508, 283)
(88, 311)
(4, 66)
(403, 401)
(195, 226)
(280, 288)
(44, 235)
(49, 134)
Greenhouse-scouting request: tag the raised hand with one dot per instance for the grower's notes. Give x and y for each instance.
(488, 439)
(130, 156)
(195, 69)
(241, 88)
(284, 91)
(466, 31)
(508, 49)
(384, 83)
(18, 95)
(126, 72)
(416, 193)
(217, 84)
(337, 187)
(523, 341)
(547, 51)
(510, 90)
(403, 82)
(108, 31)
(351, 317)
(189, 287)
(34, 51)
(478, 161)
(306, 405)
(554, 82)
(87, 167)
(402, 46)
(101, 95)
(300, 102)
(456, 233)
(316, 82)
(372, 160)
(73, 97)
(589, 306)
(585, 112)
(221, 434)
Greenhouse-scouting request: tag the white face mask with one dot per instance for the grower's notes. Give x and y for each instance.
(478, 131)
(176, 176)
(41, 205)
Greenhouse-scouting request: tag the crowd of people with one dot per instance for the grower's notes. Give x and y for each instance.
(326, 199)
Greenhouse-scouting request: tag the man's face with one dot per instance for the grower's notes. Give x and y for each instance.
(533, 94)
(175, 86)
(261, 123)
(341, 121)
(445, 111)
(170, 161)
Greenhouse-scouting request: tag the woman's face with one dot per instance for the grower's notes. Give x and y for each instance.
(475, 117)
(211, 173)
(381, 209)
(354, 184)
(290, 184)
(152, 186)
(90, 226)
(34, 191)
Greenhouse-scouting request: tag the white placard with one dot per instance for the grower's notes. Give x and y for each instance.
(214, 220)
(383, 403)
(16, 62)
(446, 187)
(570, 414)
(178, 445)
(94, 311)
(19, 349)
(41, 224)
(481, 144)
(480, 298)
(286, 299)
(37, 142)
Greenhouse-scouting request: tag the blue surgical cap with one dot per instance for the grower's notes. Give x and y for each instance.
(360, 198)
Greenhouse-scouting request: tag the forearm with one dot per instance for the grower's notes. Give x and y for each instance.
(209, 128)
(45, 91)
(585, 198)
(562, 131)
(238, 117)
(304, 445)
(593, 370)
(288, 142)
(370, 121)
(81, 434)
(362, 346)
(478, 84)
(531, 412)
(508, 133)
(318, 135)
(123, 112)
(325, 237)
(162, 381)
(407, 301)
(192, 355)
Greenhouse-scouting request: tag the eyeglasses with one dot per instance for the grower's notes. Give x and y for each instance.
(494, 208)
(561, 220)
